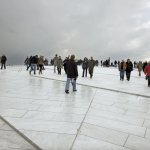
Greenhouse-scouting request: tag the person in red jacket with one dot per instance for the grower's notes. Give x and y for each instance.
(147, 73)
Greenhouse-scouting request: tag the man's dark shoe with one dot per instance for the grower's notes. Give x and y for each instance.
(67, 92)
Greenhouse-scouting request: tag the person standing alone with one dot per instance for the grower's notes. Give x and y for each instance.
(55, 60)
(85, 67)
(3, 62)
(91, 64)
(41, 64)
(129, 68)
(122, 68)
(140, 66)
(59, 65)
(72, 74)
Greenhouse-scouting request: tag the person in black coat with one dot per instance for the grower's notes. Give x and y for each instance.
(33, 61)
(129, 68)
(3, 62)
(65, 64)
(85, 67)
(72, 74)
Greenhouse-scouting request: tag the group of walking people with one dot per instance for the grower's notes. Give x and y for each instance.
(127, 67)
(70, 68)
(88, 65)
(58, 63)
(35, 63)
(72, 71)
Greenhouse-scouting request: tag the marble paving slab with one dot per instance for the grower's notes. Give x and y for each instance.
(138, 143)
(87, 143)
(10, 140)
(108, 135)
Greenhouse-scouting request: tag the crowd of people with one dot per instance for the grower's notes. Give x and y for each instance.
(35, 63)
(69, 64)
(70, 67)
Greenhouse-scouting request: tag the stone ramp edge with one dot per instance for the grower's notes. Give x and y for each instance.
(108, 89)
(21, 134)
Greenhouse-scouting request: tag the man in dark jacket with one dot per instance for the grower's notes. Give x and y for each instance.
(65, 64)
(3, 62)
(72, 74)
(33, 61)
(85, 67)
(129, 68)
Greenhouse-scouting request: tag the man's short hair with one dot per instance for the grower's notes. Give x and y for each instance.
(72, 57)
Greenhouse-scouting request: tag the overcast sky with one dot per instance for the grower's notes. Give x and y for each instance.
(100, 28)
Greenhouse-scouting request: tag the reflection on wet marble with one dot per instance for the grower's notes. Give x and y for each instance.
(91, 118)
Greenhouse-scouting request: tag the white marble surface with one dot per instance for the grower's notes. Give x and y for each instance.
(148, 133)
(147, 123)
(107, 108)
(104, 134)
(138, 114)
(63, 109)
(18, 105)
(62, 117)
(45, 126)
(116, 116)
(12, 112)
(50, 141)
(6, 127)
(88, 143)
(10, 140)
(91, 118)
(116, 125)
(138, 143)
(1, 123)
(131, 107)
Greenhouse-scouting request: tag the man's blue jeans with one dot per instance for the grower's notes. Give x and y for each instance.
(55, 68)
(122, 74)
(73, 81)
(33, 67)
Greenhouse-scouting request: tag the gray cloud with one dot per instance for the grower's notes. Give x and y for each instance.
(99, 28)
